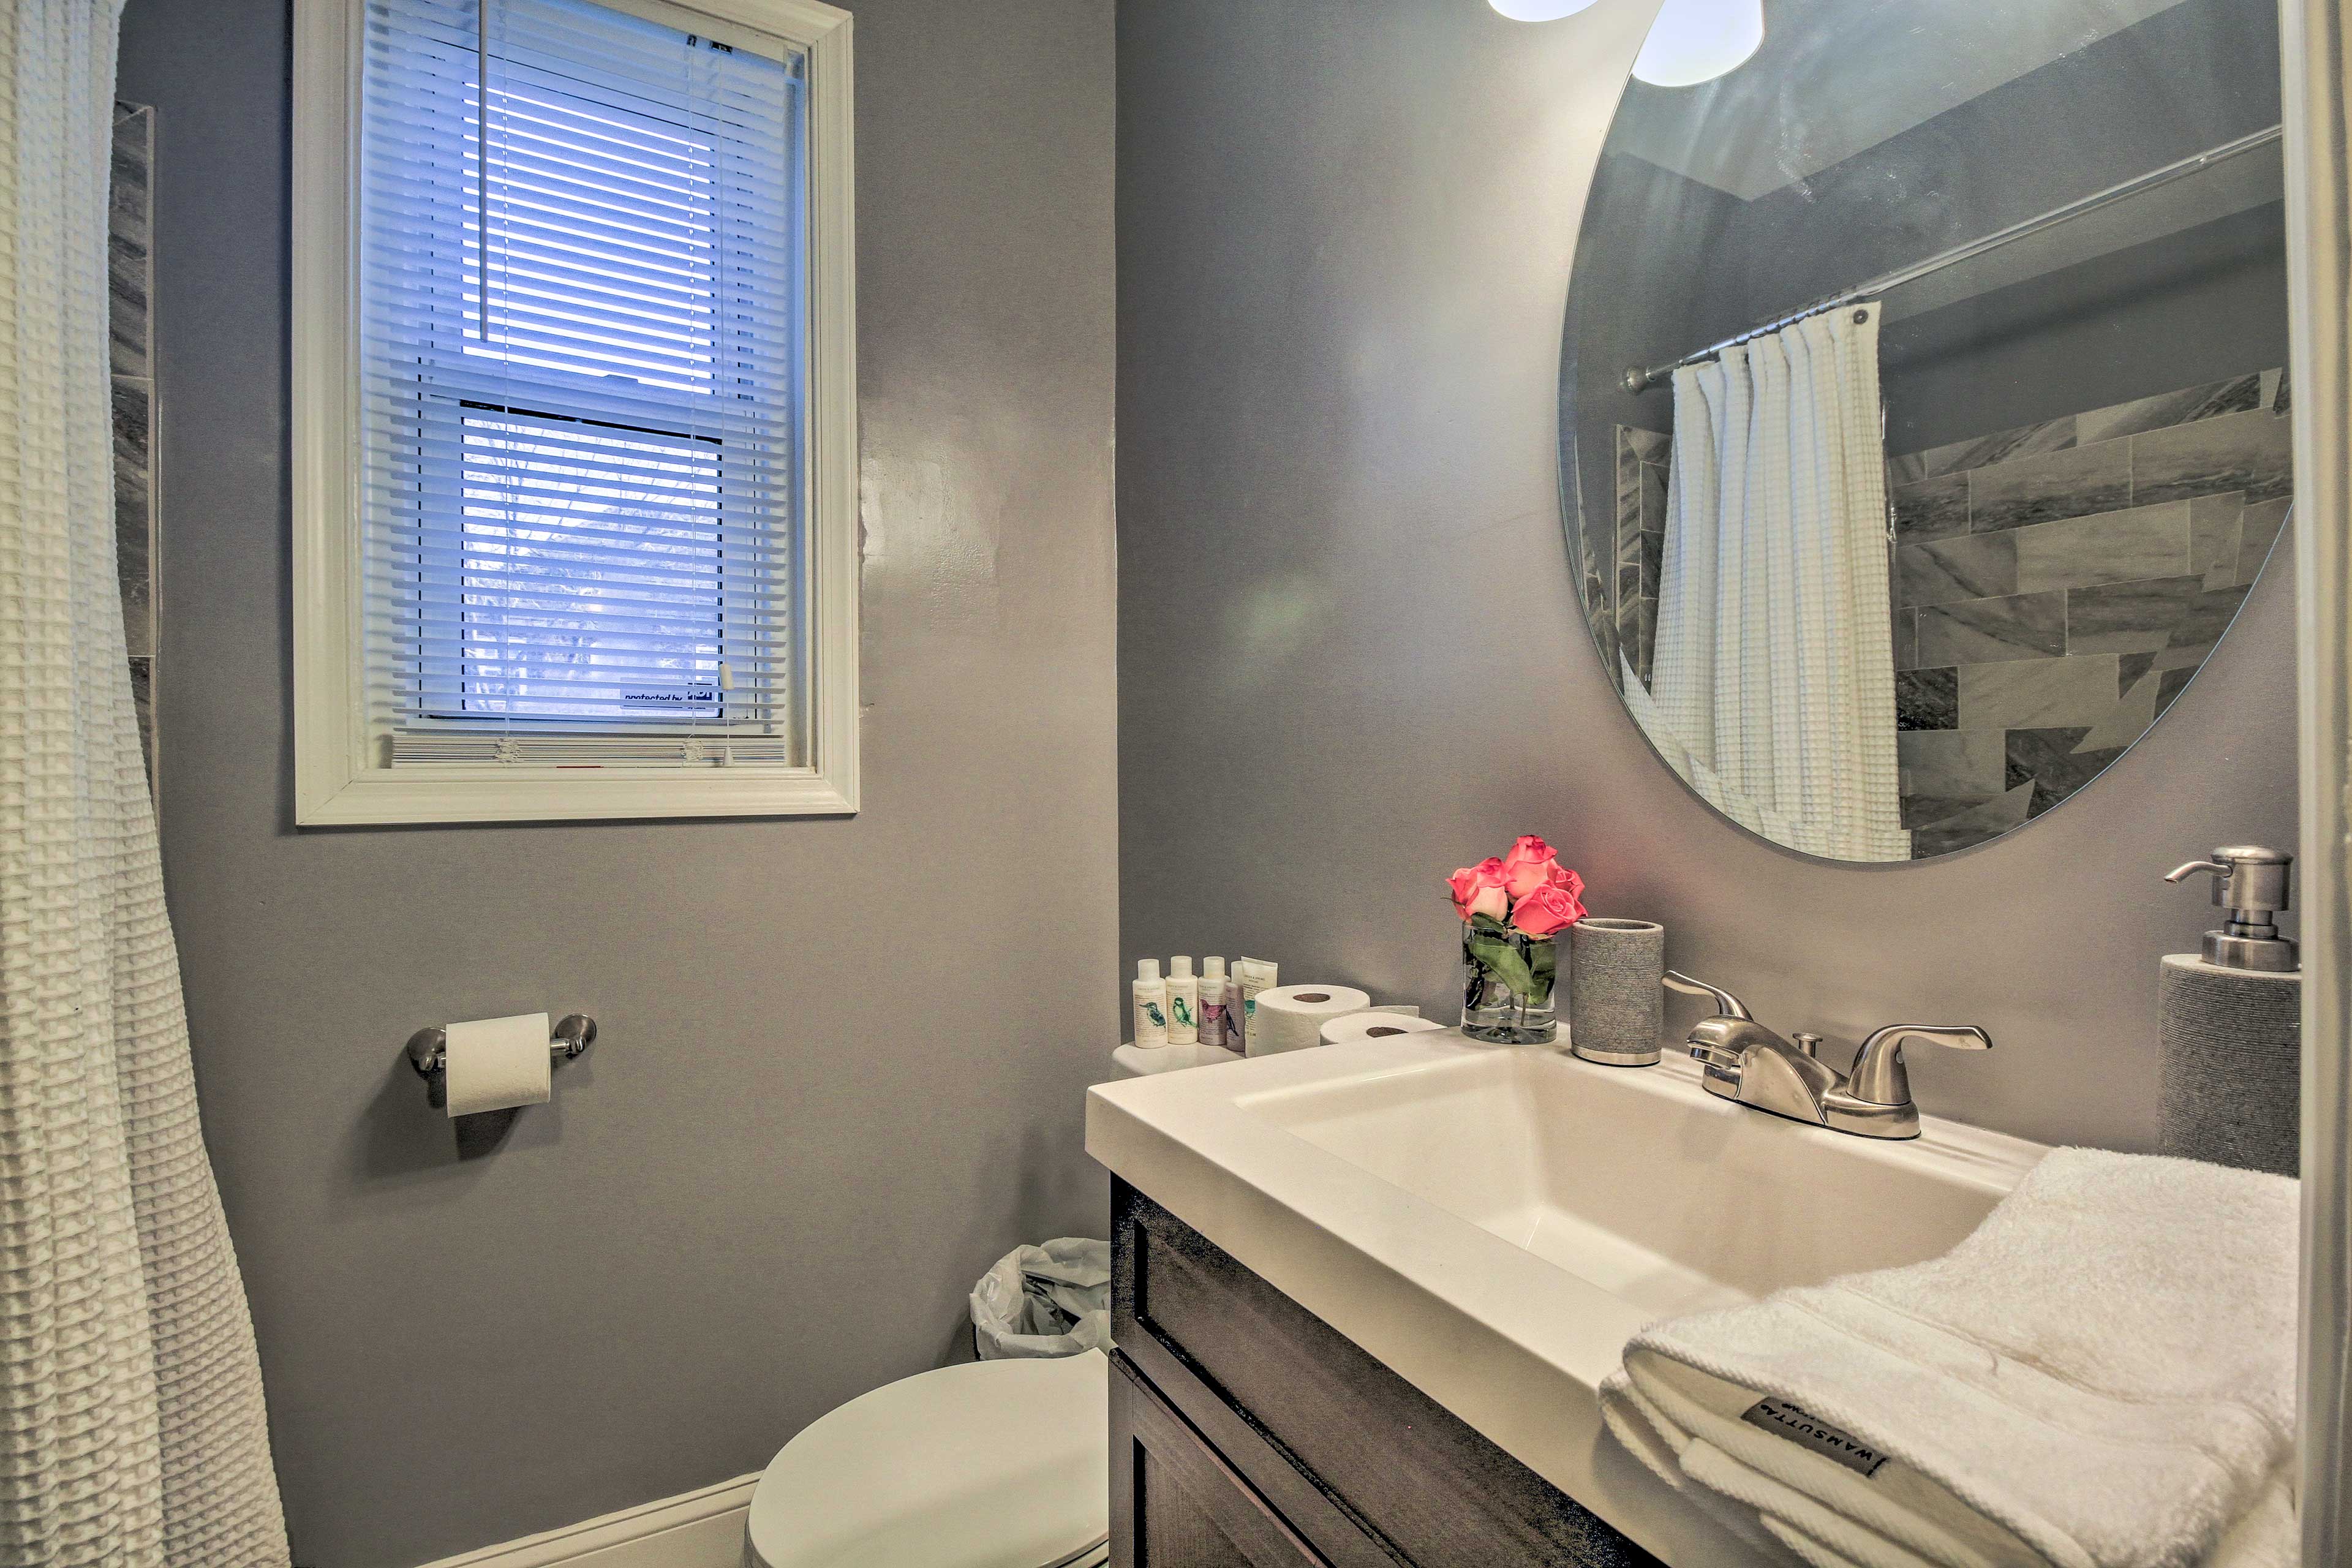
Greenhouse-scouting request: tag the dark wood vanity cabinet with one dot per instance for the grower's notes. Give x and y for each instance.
(1175, 1503)
(1247, 1433)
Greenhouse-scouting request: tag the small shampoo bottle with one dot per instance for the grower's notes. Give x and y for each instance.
(1212, 1002)
(1151, 1004)
(1183, 1002)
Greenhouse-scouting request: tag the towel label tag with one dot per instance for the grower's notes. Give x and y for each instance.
(1809, 1431)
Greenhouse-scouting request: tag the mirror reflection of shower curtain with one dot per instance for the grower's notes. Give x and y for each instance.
(1772, 687)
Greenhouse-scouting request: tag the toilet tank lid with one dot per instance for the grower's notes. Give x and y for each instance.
(996, 1463)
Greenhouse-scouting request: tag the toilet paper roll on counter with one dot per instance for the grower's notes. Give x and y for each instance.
(1291, 1017)
(1374, 1026)
(494, 1064)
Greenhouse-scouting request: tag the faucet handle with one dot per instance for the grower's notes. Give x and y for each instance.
(1879, 1076)
(1725, 1003)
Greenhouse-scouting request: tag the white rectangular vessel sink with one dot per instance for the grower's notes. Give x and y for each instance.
(1493, 1223)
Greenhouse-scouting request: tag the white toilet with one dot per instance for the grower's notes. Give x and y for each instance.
(999, 1464)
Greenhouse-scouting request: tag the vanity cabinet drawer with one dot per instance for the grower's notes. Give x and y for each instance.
(1366, 1468)
(1175, 1503)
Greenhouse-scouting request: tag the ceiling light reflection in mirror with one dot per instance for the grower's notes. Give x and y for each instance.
(1692, 41)
(1697, 40)
(1541, 10)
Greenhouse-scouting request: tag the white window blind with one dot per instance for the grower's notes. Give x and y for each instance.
(581, 289)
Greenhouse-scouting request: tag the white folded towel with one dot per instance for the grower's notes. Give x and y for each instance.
(2101, 1377)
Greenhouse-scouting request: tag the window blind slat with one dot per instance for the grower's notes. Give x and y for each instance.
(734, 575)
(627, 613)
(623, 405)
(581, 345)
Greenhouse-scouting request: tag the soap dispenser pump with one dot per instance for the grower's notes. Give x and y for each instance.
(2229, 1023)
(2250, 882)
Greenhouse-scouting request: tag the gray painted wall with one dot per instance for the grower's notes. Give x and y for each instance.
(771, 1184)
(1343, 233)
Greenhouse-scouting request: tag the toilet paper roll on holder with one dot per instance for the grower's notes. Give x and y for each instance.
(428, 1049)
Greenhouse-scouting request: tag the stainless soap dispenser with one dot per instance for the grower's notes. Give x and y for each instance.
(2229, 1023)
(2250, 882)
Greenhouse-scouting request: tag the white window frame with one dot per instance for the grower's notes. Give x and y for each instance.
(343, 773)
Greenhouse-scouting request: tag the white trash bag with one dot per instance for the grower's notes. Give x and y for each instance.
(1040, 1301)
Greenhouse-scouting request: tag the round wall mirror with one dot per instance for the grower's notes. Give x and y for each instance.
(1923, 403)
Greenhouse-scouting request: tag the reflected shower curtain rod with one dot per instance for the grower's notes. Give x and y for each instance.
(1640, 379)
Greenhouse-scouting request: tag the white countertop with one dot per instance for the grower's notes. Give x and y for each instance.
(1513, 1343)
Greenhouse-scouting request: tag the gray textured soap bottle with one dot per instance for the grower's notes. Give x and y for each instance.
(2229, 1024)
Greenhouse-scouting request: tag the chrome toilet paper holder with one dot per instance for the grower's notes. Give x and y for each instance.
(428, 1049)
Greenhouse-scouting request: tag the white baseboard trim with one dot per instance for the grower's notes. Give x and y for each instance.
(696, 1529)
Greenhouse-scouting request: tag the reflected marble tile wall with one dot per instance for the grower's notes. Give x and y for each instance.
(131, 276)
(1642, 457)
(2056, 586)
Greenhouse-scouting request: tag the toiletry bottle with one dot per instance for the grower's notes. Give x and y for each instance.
(1183, 1002)
(1250, 976)
(1212, 1002)
(1151, 1004)
(2229, 1024)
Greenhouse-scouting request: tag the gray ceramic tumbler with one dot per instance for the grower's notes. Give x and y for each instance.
(1616, 991)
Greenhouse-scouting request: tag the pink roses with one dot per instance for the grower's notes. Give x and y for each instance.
(1547, 910)
(1482, 889)
(1528, 889)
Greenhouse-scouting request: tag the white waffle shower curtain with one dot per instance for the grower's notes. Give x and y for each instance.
(1772, 687)
(131, 1426)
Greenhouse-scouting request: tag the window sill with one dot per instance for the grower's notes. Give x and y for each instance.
(383, 797)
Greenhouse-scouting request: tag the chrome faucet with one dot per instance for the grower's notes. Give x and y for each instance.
(1747, 1063)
